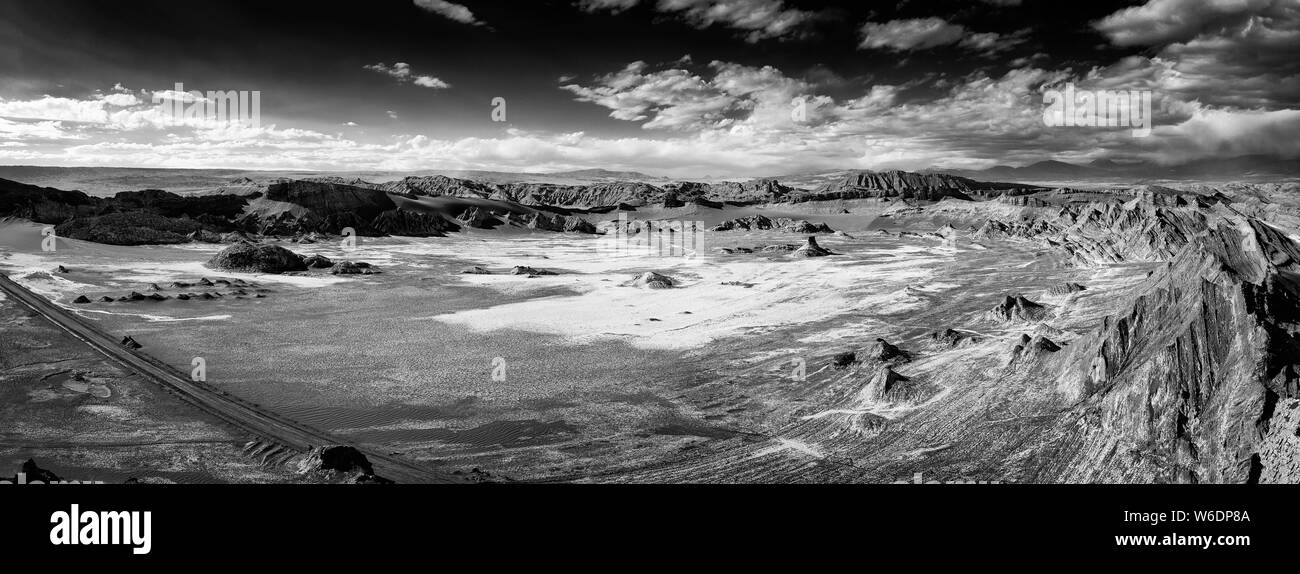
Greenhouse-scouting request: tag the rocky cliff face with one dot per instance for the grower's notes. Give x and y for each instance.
(1186, 385)
(907, 185)
(1146, 228)
(439, 185)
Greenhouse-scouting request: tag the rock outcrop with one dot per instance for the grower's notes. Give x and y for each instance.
(1187, 384)
(763, 223)
(811, 249)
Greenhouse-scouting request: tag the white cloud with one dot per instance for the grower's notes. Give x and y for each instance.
(1161, 21)
(926, 33)
(402, 72)
(449, 10)
(759, 19)
(1242, 53)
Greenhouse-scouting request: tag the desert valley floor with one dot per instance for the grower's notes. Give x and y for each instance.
(974, 349)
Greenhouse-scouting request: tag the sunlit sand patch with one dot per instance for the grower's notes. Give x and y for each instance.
(785, 445)
(150, 318)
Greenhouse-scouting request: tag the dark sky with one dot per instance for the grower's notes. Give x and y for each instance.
(557, 63)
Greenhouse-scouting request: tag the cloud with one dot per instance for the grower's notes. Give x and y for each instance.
(926, 33)
(1242, 53)
(759, 19)
(1162, 21)
(678, 99)
(402, 72)
(449, 10)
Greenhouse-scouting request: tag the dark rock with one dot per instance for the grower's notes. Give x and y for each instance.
(60, 269)
(106, 299)
(81, 300)
(130, 343)
(33, 473)
(842, 360)
(128, 228)
(476, 271)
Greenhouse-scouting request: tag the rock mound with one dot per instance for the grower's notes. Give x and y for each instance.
(949, 338)
(811, 249)
(884, 352)
(250, 258)
(843, 360)
(764, 223)
(353, 268)
(531, 272)
(1066, 289)
(318, 262)
(337, 461)
(33, 473)
(1017, 309)
(890, 387)
(652, 280)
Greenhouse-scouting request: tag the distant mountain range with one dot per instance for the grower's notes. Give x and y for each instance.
(106, 181)
(1107, 171)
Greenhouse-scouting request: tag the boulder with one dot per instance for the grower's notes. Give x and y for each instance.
(130, 343)
(82, 300)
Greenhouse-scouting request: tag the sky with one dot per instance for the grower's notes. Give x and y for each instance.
(681, 88)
